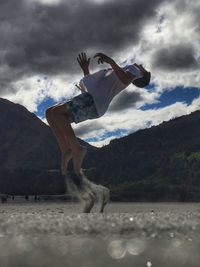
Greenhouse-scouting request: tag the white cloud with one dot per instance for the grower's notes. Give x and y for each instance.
(101, 143)
(176, 28)
(133, 120)
(48, 2)
(173, 29)
(32, 91)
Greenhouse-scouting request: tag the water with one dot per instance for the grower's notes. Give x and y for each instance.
(127, 234)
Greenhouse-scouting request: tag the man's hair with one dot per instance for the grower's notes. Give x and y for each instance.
(144, 81)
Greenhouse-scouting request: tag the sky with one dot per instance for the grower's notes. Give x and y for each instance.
(40, 41)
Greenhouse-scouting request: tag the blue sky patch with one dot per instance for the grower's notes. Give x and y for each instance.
(117, 133)
(46, 103)
(179, 94)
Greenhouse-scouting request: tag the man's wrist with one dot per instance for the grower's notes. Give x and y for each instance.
(112, 62)
(86, 71)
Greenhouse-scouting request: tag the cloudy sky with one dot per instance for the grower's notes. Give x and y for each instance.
(40, 40)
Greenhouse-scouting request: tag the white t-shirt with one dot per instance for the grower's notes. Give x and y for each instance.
(104, 85)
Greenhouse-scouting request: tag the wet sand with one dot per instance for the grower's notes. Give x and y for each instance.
(56, 234)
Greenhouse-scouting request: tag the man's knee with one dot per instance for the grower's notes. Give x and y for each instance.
(54, 112)
(60, 110)
(51, 111)
(48, 112)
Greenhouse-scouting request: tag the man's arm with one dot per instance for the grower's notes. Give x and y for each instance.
(84, 63)
(125, 77)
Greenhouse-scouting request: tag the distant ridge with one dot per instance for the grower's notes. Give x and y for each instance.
(159, 163)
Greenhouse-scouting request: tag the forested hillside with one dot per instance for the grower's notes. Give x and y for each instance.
(157, 164)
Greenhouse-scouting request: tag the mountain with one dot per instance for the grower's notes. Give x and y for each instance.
(25, 141)
(161, 163)
(27, 149)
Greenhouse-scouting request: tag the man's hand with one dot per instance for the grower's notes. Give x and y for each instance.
(84, 62)
(80, 87)
(141, 68)
(103, 58)
(121, 74)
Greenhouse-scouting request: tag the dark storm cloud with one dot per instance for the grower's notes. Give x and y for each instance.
(124, 101)
(175, 58)
(39, 38)
(87, 128)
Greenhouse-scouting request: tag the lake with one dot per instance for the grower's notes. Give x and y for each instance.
(127, 234)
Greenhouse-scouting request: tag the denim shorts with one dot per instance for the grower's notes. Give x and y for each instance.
(82, 107)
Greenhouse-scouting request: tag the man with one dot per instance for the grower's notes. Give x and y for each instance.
(98, 90)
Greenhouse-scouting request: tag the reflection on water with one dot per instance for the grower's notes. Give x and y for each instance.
(51, 235)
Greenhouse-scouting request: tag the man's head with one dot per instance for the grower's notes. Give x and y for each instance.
(145, 80)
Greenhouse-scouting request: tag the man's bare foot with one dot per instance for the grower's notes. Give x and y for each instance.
(78, 157)
(65, 158)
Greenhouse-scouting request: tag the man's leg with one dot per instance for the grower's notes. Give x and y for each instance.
(61, 139)
(63, 143)
(60, 116)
